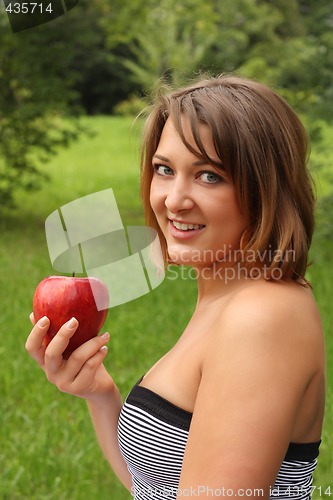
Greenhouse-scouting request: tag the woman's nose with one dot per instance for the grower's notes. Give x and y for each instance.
(179, 198)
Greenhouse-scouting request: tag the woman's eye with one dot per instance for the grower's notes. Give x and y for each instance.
(163, 170)
(210, 177)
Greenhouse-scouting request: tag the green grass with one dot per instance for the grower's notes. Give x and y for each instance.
(47, 445)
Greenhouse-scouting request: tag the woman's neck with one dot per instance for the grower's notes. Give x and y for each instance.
(216, 281)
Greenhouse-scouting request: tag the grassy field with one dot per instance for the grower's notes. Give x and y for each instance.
(47, 446)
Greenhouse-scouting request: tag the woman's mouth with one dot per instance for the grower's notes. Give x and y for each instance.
(182, 226)
(184, 230)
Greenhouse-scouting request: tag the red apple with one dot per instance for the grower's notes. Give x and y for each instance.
(62, 297)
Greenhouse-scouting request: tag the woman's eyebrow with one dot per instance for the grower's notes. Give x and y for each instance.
(163, 158)
(198, 163)
(217, 165)
(195, 164)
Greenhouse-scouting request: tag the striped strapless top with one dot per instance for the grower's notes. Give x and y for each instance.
(152, 435)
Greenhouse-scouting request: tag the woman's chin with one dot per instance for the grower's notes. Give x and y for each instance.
(188, 257)
(181, 256)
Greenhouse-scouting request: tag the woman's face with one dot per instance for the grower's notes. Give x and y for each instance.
(195, 203)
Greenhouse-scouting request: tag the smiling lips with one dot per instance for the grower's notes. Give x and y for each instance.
(182, 230)
(186, 227)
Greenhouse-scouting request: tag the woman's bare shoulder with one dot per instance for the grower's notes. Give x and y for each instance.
(276, 308)
(263, 353)
(262, 324)
(266, 297)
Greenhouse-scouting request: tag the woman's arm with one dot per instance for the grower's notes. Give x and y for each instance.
(83, 375)
(104, 413)
(254, 374)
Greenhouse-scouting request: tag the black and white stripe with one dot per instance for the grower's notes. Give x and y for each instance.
(153, 433)
(294, 481)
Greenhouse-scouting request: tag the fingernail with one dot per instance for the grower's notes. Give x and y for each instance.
(44, 321)
(105, 336)
(72, 323)
(104, 348)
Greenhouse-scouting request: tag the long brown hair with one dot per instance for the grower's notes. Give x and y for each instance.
(264, 150)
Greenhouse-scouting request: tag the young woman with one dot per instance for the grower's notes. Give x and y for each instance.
(235, 408)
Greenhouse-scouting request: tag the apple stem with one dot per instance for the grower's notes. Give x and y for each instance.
(73, 274)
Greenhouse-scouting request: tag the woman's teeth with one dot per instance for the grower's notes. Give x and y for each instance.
(186, 227)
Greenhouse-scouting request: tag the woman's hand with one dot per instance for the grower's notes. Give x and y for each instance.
(83, 374)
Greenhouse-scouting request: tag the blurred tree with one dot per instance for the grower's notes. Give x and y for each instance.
(104, 52)
(242, 27)
(101, 79)
(318, 69)
(286, 43)
(44, 81)
(170, 40)
(35, 94)
(300, 56)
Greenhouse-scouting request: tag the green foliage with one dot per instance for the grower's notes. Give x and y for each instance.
(35, 95)
(172, 44)
(131, 107)
(46, 74)
(325, 218)
(298, 58)
(242, 28)
(26, 139)
(103, 57)
(171, 41)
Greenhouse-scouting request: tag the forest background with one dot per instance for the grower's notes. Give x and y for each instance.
(104, 57)
(69, 92)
